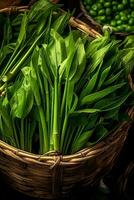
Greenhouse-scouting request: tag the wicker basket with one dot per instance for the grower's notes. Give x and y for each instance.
(11, 6)
(125, 169)
(6, 3)
(51, 175)
(126, 181)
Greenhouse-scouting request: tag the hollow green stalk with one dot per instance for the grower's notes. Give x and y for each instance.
(44, 129)
(55, 116)
(13, 72)
(22, 134)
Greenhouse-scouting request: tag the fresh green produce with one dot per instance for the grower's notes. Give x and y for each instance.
(21, 34)
(119, 13)
(69, 92)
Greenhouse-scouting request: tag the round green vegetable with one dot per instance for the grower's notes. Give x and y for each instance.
(101, 12)
(117, 13)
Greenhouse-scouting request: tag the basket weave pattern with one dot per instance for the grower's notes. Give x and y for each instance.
(7, 3)
(124, 179)
(52, 176)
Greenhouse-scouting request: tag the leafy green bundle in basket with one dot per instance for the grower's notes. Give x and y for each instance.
(65, 96)
(118, 14)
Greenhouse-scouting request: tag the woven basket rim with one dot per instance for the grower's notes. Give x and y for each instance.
(20, 8)
(74, 22)
(99, 26)
(123, 180)
(54, 157)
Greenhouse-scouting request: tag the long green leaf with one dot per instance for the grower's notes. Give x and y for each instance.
(91, 84)
(60, 24)
(103, 76)
(100, 94)
(81, 141)
(89, 111)
(110, 103)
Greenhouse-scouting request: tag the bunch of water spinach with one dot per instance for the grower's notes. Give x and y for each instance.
(67, 91)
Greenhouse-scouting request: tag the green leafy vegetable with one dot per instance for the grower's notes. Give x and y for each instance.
(60, 90)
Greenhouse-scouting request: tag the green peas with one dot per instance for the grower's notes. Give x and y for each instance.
(107, 4)
(128, 28)
(103, 18)
(125, 2)
(99, 6)
(113, 23)
(117, 13)
(94, 7)
(117, 17)
(101, 12)
(102, 1)
(114, 8)
(88, 1)
(131, 21)
(93, 13)
(123, 28)
(114, 3)
(119, 28)
(108, 11)
(122, 13)
(124, 18)
(129, 16)
(120, 7)
(132, 14)
(119, 22)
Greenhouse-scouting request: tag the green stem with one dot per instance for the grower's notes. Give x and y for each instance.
(64, 118)
(15, 134)
(31, 130)
(44, 129)
(26, 134)
(41, 142)
(12, 60)
(55, 121)
(15, 69)
(68, 141)
(47, 104)
(3, 87)
(51, 120)
(78, 133)
(69, 130)
(64, 100)
(65, 123)
(22, 134)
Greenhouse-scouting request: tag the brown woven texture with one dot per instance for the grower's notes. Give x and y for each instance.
(53, 176)
(125, 181)
(11, 6)
(89, 19)
(5, 3)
